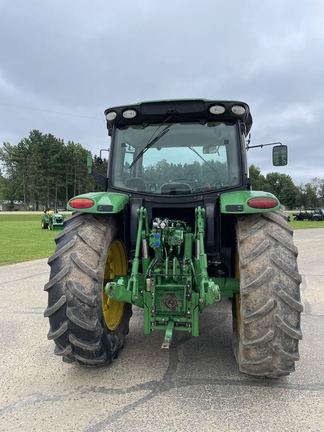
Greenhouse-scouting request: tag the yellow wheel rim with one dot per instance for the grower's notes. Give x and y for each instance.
(116, 264)
(237, 296)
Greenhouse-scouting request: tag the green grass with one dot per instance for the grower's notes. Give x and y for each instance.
(22, 239)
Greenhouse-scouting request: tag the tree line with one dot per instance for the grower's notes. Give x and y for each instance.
(307, 195)
(41, 170)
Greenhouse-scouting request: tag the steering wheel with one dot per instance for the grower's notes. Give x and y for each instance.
(191, 181)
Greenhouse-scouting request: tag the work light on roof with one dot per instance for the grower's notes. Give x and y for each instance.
(111, 115)
(129, 113)
(238, 110)
(217, 109)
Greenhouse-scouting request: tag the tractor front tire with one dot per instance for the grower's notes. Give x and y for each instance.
(86, 326)
(266, 313)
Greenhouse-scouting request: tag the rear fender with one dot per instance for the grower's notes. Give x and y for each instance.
(239, 202)
(102, 202)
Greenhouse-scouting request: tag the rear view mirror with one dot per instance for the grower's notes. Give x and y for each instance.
(209, 150)
(280, 155)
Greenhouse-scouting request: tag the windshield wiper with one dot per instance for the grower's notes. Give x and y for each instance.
(150, 143)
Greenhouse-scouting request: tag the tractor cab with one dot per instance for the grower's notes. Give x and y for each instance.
(178, 148)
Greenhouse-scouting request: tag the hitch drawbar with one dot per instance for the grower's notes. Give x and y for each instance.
(168, 335)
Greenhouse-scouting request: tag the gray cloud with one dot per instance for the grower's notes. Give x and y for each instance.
(76, 57)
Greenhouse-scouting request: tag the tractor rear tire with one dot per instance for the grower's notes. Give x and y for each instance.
(266, 313)
(86, 326)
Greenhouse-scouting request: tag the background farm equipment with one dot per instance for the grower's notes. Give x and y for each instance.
(316, 214)
(52, 221)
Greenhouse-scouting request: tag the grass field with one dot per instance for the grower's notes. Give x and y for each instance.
(22, 239)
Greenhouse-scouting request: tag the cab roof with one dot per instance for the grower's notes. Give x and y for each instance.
(176, 110)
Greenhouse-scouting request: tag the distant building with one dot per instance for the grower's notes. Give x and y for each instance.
(19, 205)
(8, 205)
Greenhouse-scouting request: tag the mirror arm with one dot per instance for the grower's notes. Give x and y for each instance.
(263, 145)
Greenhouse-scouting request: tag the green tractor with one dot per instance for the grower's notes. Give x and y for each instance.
(177, 229)
(52, 221)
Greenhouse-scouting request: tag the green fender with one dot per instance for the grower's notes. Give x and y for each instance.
(240, 202)
(103, 202)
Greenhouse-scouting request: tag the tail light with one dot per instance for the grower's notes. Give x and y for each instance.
(81, 203)
(262, 203)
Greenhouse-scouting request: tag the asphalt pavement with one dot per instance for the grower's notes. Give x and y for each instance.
(194, 386)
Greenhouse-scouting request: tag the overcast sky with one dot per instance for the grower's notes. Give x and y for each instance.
(63, 62)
